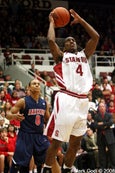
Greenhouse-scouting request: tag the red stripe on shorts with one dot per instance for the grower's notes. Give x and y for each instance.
(83, 96)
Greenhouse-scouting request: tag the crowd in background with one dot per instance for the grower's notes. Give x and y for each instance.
(21, 27)
(102, 92)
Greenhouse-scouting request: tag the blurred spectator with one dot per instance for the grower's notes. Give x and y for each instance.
(5, 97)
(92, 105)
(8, 56)
(38, 45)
(91, 147)
(8, 79)
(44, 74)
(105, 137)
(27, 43)
(106, 88)
(84, 159)
(14, 97)
(6, 88)
(97, 94)
(2, 121)
(102, 100)
(17, 81)
(90, 120)
(14, 43)
(37, 73)
(6, 121)
(112, 86)
(31, 70)
(111, 107)
(94, 82)
(38, 76)
(113, 76)
(112, 98)
(3, 148)
(49, 81)
(7, 106)
(19, 89)
(12, 137)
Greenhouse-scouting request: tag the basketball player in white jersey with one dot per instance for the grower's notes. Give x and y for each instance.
(68, 119)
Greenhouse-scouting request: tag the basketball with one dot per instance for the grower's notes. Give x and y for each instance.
(61, 16)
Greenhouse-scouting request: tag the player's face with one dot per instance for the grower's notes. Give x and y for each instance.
(70, 44)
(35, 85)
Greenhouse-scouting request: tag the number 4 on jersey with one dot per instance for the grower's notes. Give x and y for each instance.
(79, 70)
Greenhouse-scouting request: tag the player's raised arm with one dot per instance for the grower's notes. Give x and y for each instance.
(94, 36)
(55, 50)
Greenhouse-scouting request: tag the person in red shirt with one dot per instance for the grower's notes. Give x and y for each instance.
(14, 97)
(111, 107)
(19, 89)
(12, 137)
(5, 96)
(3, 148)
(15, 123)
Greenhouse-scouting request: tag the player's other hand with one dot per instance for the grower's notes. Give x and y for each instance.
(19, 117)
(77, 18)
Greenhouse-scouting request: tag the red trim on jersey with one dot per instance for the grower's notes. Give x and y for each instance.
(60, 81)
(57, 104)
(58, 69)
(59, 75)
(83, 96)
(51, 127)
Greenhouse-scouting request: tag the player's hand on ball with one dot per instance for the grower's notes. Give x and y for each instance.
(51, 19)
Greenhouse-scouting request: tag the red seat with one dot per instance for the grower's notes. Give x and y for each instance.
(26, 59)
(103, 74)
(39, 60)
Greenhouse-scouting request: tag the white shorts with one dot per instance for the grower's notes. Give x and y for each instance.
(69, 117)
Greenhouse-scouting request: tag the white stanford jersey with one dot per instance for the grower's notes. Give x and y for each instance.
(73, 73)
